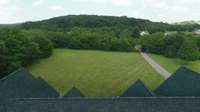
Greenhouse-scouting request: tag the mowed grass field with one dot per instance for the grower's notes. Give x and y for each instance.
(172, 64)
(95, 73)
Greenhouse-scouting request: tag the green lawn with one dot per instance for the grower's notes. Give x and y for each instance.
(95, 73)
(172, 64)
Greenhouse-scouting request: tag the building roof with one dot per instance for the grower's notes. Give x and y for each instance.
(74, 92)
(2, 106)
(105, 105)
(25, 94)
(46, 90)
(21, 84)
(183, 83)
(138, 89)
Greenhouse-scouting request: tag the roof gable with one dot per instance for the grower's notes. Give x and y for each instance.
(138, 89)
(44, 89)
(74, 92)
(21, 84)
(182, 83)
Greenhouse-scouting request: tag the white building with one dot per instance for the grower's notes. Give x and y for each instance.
(142, 33)
(197, 32)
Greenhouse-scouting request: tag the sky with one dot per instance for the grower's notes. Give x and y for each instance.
(15, 11)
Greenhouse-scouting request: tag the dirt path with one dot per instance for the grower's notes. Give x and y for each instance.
(156, 66)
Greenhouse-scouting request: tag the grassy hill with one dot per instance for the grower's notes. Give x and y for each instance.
(95, 73)
(172, 64)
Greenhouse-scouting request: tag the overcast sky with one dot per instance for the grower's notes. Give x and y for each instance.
(12, 11)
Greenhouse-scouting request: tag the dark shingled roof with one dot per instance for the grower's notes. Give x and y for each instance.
(138, 89)
(106, 105)
(2, 106)
(74, 92)
(21, 84)
(46, 89)
(183, 83)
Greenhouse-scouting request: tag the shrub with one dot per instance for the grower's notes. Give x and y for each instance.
(45, 46)
(153, 43)
(189, 50)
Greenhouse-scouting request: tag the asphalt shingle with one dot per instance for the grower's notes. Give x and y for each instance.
(183, 83)
(74, 92)
(106, 105)
(138, 89)
(21, 84)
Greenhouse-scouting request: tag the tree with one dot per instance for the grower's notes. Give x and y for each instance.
(12, 50)
(45, 45)
(173, 43)
(170, 51)
(136, 32)
(153, 43)
(189, 50)
(32, 53)
(2, 59)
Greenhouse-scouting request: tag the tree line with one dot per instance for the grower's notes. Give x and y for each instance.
(179, 45)
(66, 23)
(17, 50)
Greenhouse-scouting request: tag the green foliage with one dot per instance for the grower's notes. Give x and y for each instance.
(173, 43)
(136, 32)
(45, 46)
(170, 51)
(122, 44)
(12, 50)
(118, 24)
(153, 43)
(17, 50)
(189, 50)
(32, 53)
(59, 39)
(182, 45)
(100, 39)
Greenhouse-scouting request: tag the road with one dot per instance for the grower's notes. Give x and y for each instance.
(156, 66)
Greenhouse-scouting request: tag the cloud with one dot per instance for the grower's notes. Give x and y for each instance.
(9, 14)
(38, 2)
(160, 4)
(91, 1)
(136, 14)
(5, 2)
(57, 8)
(113, 2)
(122, 2)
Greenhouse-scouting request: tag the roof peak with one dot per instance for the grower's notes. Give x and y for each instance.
(74, 92)
(138, 89)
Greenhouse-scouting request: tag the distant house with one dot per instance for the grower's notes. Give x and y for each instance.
(142, 33)
(197, 32)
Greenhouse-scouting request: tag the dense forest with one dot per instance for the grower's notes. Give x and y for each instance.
(22, 44)
(179, 45)
(66, 23)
